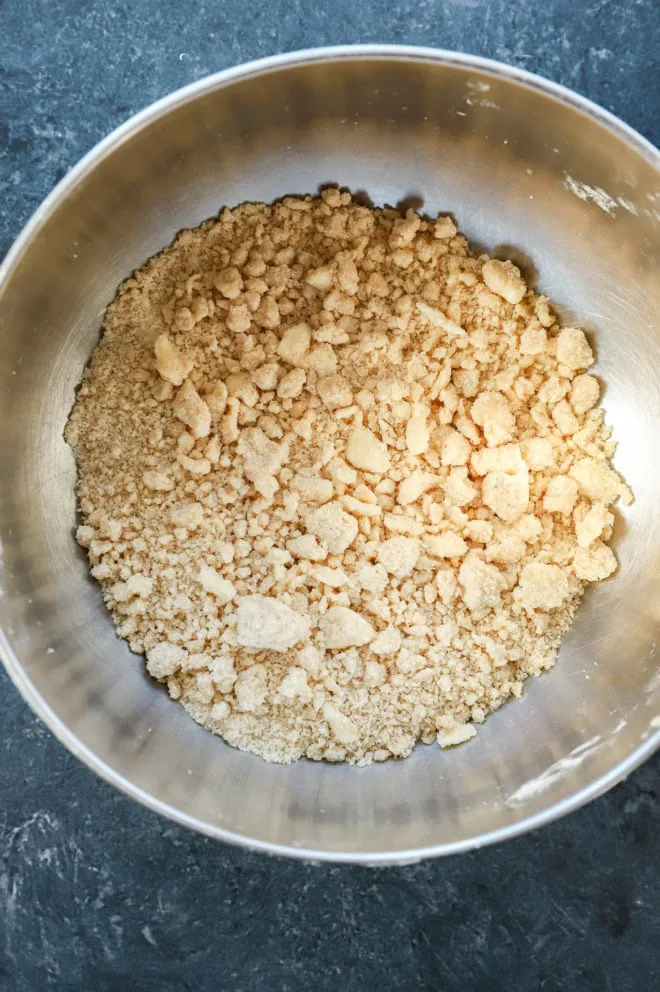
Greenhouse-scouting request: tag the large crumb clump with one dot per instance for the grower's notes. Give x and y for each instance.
(342, 482)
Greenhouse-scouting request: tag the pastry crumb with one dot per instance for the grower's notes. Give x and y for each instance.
(342, 482)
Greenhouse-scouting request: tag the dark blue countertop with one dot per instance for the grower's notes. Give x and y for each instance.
(100, 895)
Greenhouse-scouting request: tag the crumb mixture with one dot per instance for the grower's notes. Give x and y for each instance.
(342, 481)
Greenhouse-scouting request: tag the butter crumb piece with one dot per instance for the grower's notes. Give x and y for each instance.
(444, 228)
(335, 392)
(414, 486)
(387, 642)
(459, 734)
(506, 495)
(360, 508)
(295, 343)
(456, 449)
(482, 584)
(344, 628)
(188, 515)
(306, 546)
(585, 393)
(573, 349)
(590, 523)
(492, 413)
(542, 586)
(399, 555)
(251, 688)
(447, 545)
(294, 686)
(418, 433)
(596, 479)
(365, 451)
(336, 528)
(165, 659)
(266, 624)
(291, 385)
(561, 494)
(373, 578)
(505, 458)
(438, 319)
(312, 488)
(595, 563)
(342, 728)
(158, 481)
(504, 278)
(538, 453)
(211, 581)
(170, 363)
(191, 410)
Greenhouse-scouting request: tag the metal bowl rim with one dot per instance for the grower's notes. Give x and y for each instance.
(31, 229)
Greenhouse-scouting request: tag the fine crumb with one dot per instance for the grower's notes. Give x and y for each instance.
(342, 482)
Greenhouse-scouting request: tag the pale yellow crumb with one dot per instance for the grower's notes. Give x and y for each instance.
(342, 482)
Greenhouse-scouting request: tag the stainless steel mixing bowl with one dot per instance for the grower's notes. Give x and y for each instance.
(531, 171)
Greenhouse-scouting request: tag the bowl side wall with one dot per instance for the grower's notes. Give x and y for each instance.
(528, 177)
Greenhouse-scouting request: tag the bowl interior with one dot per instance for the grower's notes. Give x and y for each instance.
(547, 182)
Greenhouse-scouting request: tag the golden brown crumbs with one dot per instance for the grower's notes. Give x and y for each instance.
(342, 481)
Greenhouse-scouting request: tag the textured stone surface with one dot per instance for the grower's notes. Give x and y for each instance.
(100, 895)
